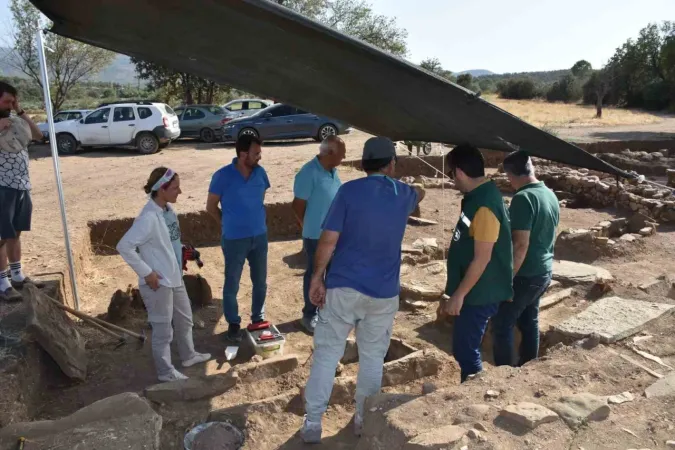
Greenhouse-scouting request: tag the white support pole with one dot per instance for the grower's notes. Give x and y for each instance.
(55, 159)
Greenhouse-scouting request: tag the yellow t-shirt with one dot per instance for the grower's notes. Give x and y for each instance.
(484, 226)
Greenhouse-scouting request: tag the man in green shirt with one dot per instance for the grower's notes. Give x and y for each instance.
(480, 259)
(534, 217)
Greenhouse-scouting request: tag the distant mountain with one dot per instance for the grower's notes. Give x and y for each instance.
(121, 70)
(477, 72)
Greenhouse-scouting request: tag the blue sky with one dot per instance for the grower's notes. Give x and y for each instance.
(510, 35)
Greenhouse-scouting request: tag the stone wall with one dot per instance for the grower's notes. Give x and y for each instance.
(601, 190)
(644, 163)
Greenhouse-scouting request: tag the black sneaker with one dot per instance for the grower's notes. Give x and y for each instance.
(233, 333)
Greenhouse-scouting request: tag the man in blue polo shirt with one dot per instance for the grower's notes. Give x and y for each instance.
(236, 200)
(363, 232)
(315, 187)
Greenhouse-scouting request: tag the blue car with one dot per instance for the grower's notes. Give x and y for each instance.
(281, 121)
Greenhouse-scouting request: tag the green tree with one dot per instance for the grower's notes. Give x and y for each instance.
(466, 80)
(355, 18)
(567, 90)
(582, 69)
(68, 63)
(433, 65)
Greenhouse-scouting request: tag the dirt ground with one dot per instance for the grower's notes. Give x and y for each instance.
(107, 184)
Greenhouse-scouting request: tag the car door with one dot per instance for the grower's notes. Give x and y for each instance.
(305, 124)
(94, 129)
(277, 123)
(193, 119)
(253, 106)
(235, 109)
(123, 125)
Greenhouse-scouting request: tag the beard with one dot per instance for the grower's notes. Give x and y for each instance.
(4, 113)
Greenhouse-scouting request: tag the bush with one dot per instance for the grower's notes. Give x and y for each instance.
(518, 89)
(567, 90)
(656, 95)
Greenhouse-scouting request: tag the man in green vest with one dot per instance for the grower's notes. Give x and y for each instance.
(480, 259)
(534, 218)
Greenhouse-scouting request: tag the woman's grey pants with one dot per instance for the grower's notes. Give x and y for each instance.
(164, 306)
(344, 310)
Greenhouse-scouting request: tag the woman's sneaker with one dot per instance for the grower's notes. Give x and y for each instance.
(173, 376)
(197, 359)
(311, 432)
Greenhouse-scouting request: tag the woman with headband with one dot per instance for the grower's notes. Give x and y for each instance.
(152, 247)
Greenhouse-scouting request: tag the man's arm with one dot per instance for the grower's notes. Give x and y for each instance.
(324, 252)
(299, 207)
(521, 242)
(420, 192)
(213, 208)
(35, 132)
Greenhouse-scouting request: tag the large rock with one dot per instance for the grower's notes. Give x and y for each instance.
(572, 273)
(420, 364)
(424, 282)
(553, 299)
(124, 421)
(530, 415)
(193, 388)
(613, 319)
(56, 333)
(665, 387)
(575, 410)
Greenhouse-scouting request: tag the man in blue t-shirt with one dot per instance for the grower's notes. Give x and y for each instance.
(314, 189)
(363, 232)
(236, 201)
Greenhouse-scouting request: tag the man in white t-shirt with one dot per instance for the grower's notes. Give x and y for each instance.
(15, 202)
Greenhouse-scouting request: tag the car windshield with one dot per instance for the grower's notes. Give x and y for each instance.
(217, 110)
(169, 111)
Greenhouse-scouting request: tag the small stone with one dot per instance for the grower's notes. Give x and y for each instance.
(339, 369)
(530, 415)
(492, 394)
(670, 444)
(628, 238)
(475, 434)
(646, 231)
(620, 398)
(478, 412)
(581, 408)
(257, 359)
(199, 324)
(479, 426)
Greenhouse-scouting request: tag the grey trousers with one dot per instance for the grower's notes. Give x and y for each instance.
(344, 310)
(164, 306)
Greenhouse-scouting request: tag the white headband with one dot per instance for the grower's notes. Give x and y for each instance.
(166, 178)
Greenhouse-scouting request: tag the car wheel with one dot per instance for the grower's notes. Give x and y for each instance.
(325, 131)
(147, 144)
(249, 132)
(66, 144)
(427, 148)
(207, 135)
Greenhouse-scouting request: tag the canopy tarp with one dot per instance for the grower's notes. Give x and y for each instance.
(262, 47)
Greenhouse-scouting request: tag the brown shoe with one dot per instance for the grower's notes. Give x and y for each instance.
(21, 284)
(10, 295)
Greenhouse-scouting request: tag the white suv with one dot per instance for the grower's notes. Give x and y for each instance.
(144, 125)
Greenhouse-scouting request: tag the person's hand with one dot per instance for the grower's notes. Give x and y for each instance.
(5, 124)
(453, 306)
(317, 292)
(152, 280)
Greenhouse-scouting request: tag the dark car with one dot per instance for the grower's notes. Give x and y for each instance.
(284, 122)
(201, 121)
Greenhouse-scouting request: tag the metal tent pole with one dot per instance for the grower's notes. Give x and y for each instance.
(55, 159)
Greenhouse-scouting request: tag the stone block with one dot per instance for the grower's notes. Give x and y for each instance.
(527, 414)
(269, 368)
(665, 387)
(572, 273)
(238, 414)
(576, 410)
(420, 364)
(445, 438)
(194, 388)
(554, 299)
(613, 319)
(55, 332)
(124, 421)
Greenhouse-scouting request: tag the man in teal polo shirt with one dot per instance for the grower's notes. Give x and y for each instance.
(315, 187)
(535, 214)
(480, 261)
(236, 201)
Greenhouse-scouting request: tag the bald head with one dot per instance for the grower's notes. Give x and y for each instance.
(332, 151)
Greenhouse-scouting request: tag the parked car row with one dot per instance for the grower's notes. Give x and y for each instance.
(149, 126)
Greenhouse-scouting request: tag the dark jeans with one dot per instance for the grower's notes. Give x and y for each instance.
(236, 252)
(467, 336)
(310, 250)
(522, 312)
